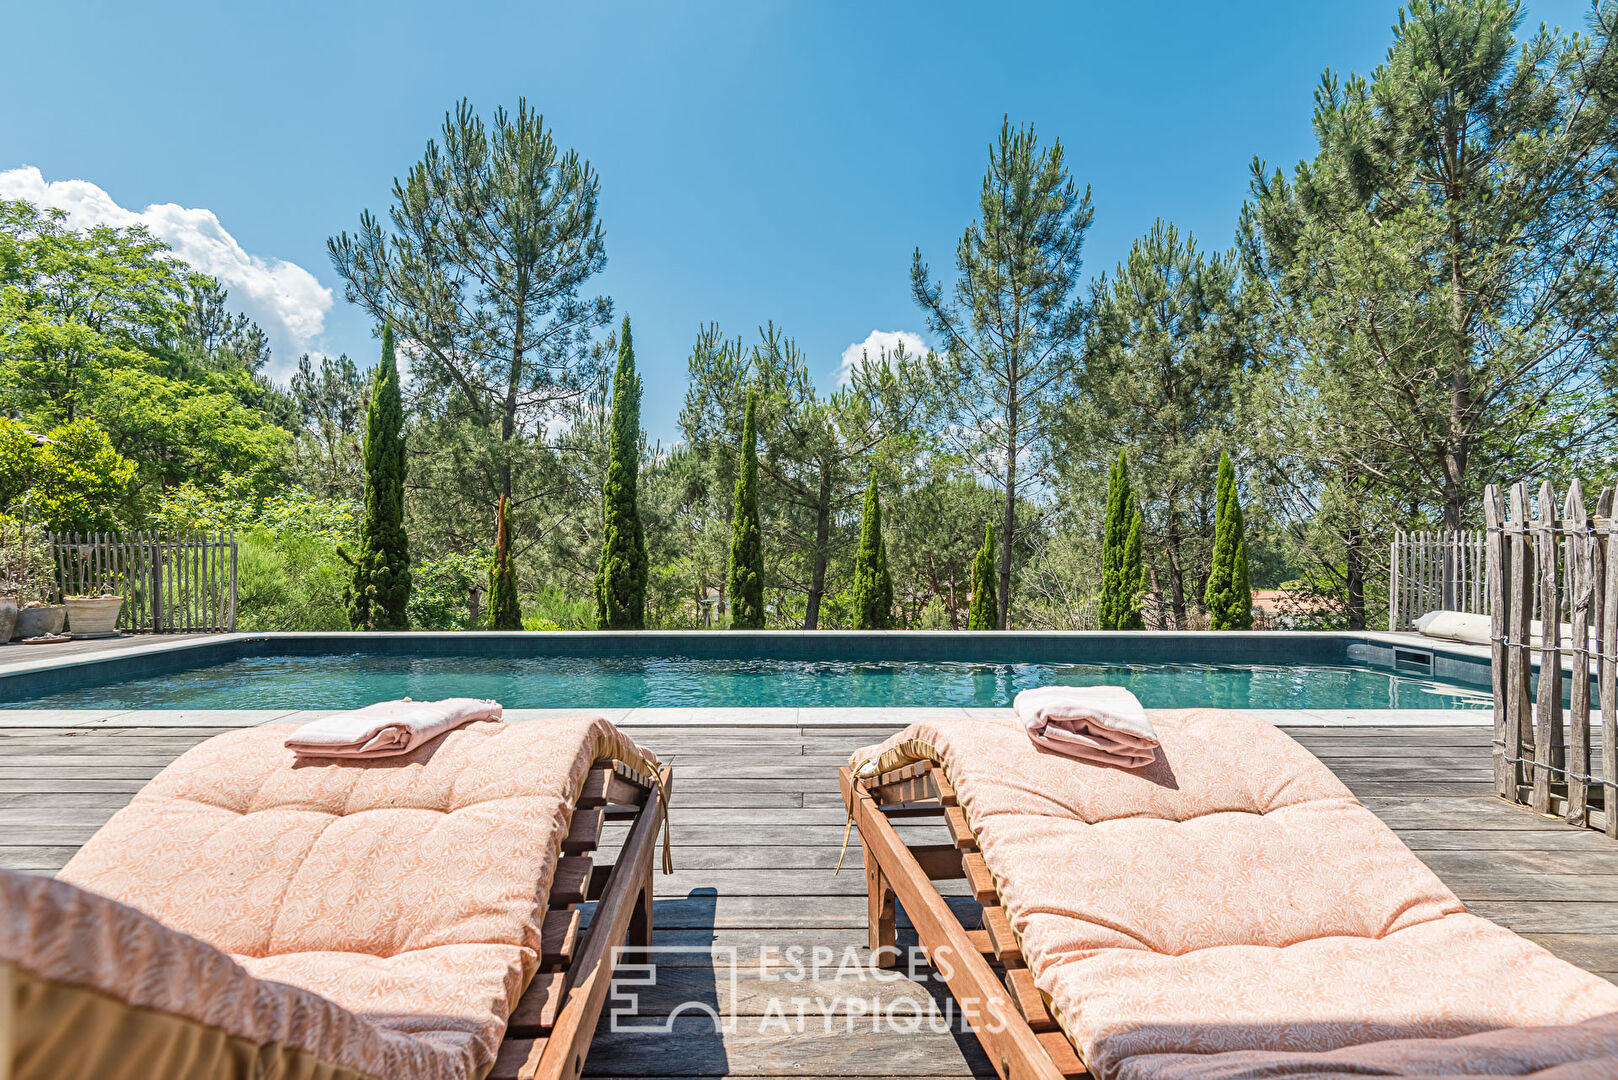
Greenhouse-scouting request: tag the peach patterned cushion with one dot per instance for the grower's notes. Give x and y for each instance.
(408, 889)
(1587, 1051)
(1231, 895)
(64, 935)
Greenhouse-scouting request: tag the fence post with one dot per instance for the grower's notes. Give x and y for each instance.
(1577, 567)
(231, 625)
(1395, 607)
(1499, 563)
(1548, 713)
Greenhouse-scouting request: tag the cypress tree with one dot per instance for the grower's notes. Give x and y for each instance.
(380, 588)
(621, 578)
(746, 585)
(873, 587)
(1123, 572)
(984, 614)
(1228, 598)
(504, 612)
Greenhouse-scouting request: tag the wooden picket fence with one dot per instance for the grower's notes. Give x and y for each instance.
(171, 582)
(1435, 571)
(1568, 561)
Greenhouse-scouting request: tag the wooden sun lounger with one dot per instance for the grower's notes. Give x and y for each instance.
(549, 1032)
(986, 967)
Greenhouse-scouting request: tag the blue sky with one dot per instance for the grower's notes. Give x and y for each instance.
(764, 160)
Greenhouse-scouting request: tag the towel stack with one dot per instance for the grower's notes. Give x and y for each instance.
(1103, 724)
(387, 728)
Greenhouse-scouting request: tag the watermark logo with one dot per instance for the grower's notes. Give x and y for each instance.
(633, 977)
(793, 990)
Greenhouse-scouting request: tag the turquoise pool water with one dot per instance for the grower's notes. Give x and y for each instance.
(349, 680)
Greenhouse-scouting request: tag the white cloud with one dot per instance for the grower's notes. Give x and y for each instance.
(282, 297)
(875, 344)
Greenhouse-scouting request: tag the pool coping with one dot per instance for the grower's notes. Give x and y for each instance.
(701, 716)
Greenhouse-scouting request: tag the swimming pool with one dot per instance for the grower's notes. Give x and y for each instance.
(353, 678)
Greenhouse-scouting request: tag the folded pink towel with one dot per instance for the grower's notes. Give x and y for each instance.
(1104, 724)
(387, 728)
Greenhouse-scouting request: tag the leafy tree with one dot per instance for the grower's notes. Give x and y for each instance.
(932, 515)
(104, 324)
(872, 594)
(379, 596)
(1446, 267)
(621, 579)
(75, 306)
(814, 444)
(72, 480)
(504, 611)
(493, 236)
(1229, 600)
(329, 399)
(1013, 321)
(1167, 356)
(984, 613)
(1123, 573)
(746, 585)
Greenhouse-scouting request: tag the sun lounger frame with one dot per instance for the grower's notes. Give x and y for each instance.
(1026, 1043)
(549, 1032)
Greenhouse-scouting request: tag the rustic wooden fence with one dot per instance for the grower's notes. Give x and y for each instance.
(171, 582)
(1567, 560)
(1435, 571)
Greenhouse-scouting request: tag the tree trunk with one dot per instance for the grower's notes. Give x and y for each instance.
(1171, 543)
(508, 415)
(1008, 522)
(817, 573)
(1353, 544)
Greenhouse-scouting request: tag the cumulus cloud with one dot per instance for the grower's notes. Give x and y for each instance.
(875, 344)
(282, 297)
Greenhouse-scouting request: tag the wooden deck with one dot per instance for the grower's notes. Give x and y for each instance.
(757, 823)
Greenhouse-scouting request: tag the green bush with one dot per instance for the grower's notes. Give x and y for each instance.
(289, 581)
(439, 588)
(553, 609)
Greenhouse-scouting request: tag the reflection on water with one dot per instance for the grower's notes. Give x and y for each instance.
(345, 681)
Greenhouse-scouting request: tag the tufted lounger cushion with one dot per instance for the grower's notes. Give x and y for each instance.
(409, 890)
(1232, 895)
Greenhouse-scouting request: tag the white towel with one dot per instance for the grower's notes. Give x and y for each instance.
(387, 728)
(1104, 724)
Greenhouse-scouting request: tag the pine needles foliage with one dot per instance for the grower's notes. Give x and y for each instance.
(1229, 598)
(873, 586)
(620, 584)
(379, 591)
(1123, 570)
(984, 613)
(745, 587)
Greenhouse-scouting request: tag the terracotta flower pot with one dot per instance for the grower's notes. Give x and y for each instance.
(93, 616)
(8, 618)
(39, 621)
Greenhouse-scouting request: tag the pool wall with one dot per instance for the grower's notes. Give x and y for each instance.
(1457, 664)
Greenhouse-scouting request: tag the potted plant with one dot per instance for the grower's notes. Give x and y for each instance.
(27, 578)
(93, 616)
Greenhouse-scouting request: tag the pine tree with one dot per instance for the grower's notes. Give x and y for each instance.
(1123, 573)
(504, 612)
(873, 587)
(746, 584)
(621, 579)
(380, 588)
(1229, 599)
(984, 614)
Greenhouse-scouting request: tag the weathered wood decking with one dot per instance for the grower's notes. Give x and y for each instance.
(757, 822)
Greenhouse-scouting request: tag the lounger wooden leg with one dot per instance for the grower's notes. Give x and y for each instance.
(884, 926)
(640, 928)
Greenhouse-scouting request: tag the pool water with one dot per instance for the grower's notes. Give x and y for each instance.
(350, 680)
